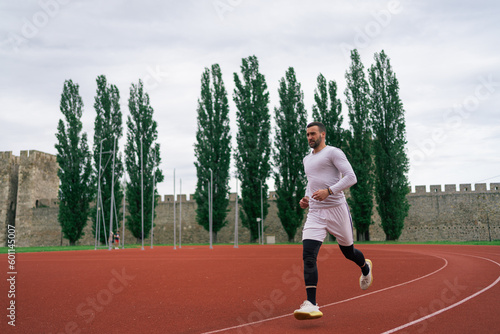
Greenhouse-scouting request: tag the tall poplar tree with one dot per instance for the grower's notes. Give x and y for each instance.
(107, 128)
(290, 147)
(141, 136)
(75, 165)
(212, 151)
(391, 161)
(253, 142)
(359, 146)
(327, 109)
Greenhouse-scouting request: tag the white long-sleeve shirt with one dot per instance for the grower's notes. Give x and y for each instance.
(329, 168)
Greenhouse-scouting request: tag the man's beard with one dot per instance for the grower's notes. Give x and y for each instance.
(315, 143)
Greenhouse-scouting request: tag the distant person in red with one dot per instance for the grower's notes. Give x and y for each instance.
(117, 240)
(328, 173)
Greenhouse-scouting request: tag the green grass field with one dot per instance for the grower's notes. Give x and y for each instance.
(4, 250)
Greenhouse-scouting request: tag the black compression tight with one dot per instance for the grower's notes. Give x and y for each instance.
(353, 254)
(309, 255)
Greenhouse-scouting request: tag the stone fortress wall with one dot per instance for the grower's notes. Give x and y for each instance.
(24, 181)
(28, 200)
(453, 214)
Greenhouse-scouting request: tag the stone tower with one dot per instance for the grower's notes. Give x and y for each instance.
(9, 169)
(24, 181)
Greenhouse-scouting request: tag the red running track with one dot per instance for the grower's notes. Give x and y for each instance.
(254, 289)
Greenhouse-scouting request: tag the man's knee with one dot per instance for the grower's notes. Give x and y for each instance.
(353, 254)
(310, 248)
(348, 251)
(310, 254)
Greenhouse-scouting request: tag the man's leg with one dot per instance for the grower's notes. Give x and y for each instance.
(313, 234)
(340, 225)
(309, 255)
(355, 256)
(366, 266)
(309, 309)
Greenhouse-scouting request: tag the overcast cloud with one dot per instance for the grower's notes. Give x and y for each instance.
(445, 54)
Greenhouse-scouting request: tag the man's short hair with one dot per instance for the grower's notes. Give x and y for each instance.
(321, 126)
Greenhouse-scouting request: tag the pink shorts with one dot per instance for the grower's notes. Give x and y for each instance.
(336, 220)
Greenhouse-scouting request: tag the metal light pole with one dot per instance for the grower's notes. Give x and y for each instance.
(98, 227)
(236, 217)
(153, 209)
(112, 197)
(123, 224)
(142, 199)
(260, 228)
(180, 214)
(174, 211)
(102, 219)
(210, 206)
(261, 212)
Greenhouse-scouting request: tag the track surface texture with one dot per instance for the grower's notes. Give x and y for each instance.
(255, 289)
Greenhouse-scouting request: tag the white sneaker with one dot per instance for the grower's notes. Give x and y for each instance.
(307, 311)
(366, 281)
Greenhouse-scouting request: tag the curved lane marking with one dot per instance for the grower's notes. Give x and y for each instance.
(339, 302)
(452, 305)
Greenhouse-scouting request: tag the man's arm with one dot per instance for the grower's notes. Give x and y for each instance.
(349, 178)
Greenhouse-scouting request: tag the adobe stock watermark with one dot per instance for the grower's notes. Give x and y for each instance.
(154, 77)
(31, 26)
(223, 7)
(293, 278)
(453, 119)
(97, 303)
(372, 29)
(447, 297)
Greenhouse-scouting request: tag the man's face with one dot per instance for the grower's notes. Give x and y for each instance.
(314, 137)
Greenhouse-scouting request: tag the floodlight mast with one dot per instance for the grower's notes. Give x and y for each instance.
(236, 216)
(153, 210)
(112, 196)
(260, 229)
(123, 226)
(261, 212)
(180, 214)
(142, 199)
(98, 229)
(174, 214)
(210, 206)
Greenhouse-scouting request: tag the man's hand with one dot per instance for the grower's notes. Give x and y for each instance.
(321, 194)
(304, 202)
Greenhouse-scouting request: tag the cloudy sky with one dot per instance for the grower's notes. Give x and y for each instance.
(446, 55)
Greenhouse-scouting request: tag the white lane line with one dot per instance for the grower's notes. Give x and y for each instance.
(452, 305)
(393, 286)
(339, 302)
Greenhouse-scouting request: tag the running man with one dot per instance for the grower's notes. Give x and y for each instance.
(328, 173)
